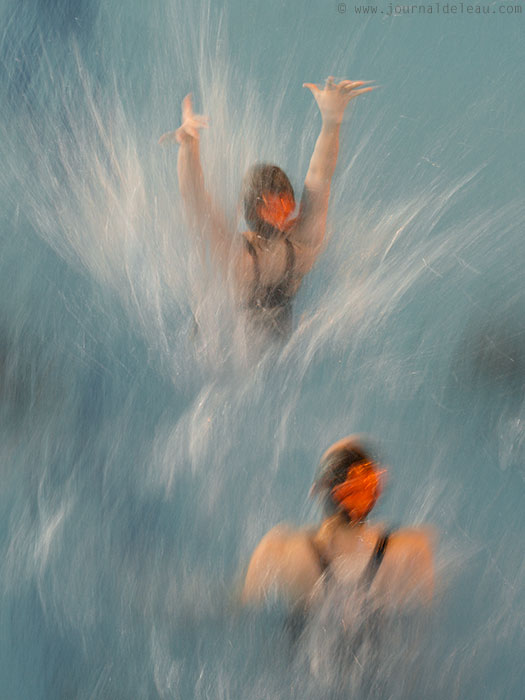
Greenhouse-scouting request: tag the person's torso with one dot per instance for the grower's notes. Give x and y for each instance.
(270, 280)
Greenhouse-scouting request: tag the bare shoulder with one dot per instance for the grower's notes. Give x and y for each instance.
(309, 228)
(413, 544)
(271, 550)
(306, 250)
(283, 561)
(283, 541)
(241, 261)
(410, 554)
(414, 538)
(277, 538)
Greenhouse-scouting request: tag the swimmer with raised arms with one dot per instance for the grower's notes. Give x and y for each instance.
(278, 249)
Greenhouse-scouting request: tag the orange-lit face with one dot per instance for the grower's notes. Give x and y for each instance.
(276, 208)
(358, 494)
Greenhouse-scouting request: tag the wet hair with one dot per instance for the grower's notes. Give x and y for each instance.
(261, 178)
(334, 471)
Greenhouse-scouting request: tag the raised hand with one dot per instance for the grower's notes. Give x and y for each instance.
(334, 97)
(190, 127)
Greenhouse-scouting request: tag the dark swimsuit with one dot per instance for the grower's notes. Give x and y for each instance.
(270, 306)
(299, 615)
(371, 568)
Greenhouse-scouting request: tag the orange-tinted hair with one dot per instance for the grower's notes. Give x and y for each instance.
(261, 178)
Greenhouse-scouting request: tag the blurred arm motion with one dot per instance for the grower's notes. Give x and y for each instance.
(200, 209)
(311, 225)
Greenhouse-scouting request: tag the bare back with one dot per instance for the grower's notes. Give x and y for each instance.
(268, 264)
(292, 562)
(268, 276)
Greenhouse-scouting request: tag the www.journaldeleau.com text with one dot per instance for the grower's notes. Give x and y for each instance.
(437, 8)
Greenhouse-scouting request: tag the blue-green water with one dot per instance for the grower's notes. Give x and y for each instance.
(141, 463)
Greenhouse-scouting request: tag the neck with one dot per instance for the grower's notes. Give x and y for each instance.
(265, 242)
(340, 522)
(345, 521)
(337, 535)
(269, 232)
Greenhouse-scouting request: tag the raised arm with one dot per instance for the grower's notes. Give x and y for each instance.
(332, 101)
(201, 211)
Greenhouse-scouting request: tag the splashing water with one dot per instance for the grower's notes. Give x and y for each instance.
(141, 462)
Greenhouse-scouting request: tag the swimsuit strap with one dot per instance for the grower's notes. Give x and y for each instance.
(373, 564)
(298, 616)
(290, 260)
(290, 263)
(256, 269)
(375, 560)
(324, 563)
